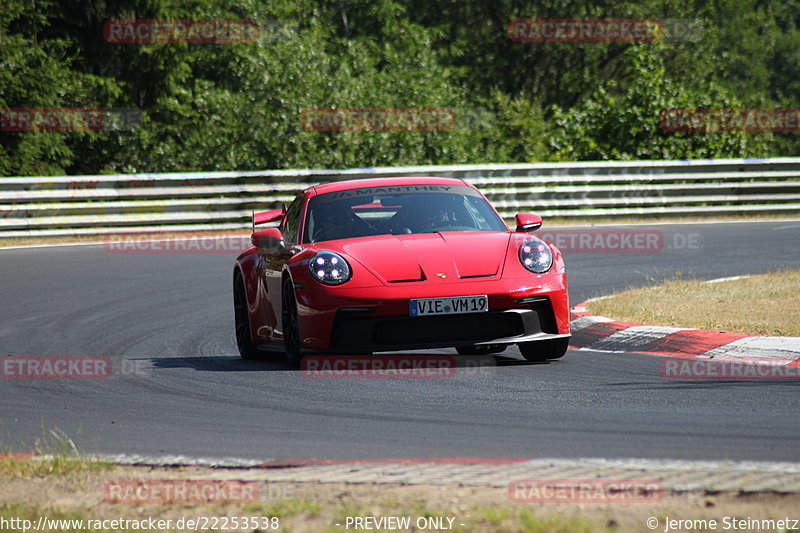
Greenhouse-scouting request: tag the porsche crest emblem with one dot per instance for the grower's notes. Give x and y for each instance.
(441, 275)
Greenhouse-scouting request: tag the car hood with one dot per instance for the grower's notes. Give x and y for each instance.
(434, 257)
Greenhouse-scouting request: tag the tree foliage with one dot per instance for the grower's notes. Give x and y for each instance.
(229, 106)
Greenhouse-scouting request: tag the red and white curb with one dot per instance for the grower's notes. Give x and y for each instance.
(675, 476)
(598, 333)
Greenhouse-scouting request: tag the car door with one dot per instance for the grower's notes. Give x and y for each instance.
(275, 259)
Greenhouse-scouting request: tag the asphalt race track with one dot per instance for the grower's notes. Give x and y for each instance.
(168, 320)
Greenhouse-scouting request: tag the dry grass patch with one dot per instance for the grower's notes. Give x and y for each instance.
(12, 467)
(759, 305)
(318, 507)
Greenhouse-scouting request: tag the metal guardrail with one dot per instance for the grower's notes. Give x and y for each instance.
(213, 201)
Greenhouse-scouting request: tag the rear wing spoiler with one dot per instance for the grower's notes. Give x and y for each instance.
(265, 217)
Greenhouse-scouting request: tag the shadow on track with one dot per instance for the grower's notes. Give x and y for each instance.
(274, 362)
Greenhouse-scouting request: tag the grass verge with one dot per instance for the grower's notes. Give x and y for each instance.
(19, 467)
(70, 495)
(326, 507)
(55, 455)
(758, 305)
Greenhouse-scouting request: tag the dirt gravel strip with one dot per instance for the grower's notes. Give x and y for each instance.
(676, 476)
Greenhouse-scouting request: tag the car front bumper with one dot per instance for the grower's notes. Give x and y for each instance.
(383, 333)
(377, 319)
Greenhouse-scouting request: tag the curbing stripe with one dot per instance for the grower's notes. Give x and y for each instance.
(489, 461)
(691, 342)
(676, 476)
(16, 456)
(586, 321)
(634, 338)
(599, 333)
(768, 347)
(587, 336)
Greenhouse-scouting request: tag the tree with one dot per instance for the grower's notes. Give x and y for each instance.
(623, 121)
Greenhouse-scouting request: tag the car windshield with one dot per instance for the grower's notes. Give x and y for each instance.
(398, 210)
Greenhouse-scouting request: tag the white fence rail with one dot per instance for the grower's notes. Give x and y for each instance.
(73, 205)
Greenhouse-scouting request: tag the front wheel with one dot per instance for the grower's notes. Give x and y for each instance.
(241, 316)
(291, 328)
(544, 350)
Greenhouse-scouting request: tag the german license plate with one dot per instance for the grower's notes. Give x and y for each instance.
(449, 306)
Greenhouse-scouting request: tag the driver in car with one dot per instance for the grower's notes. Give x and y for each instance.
(335, 220)
(431, 213)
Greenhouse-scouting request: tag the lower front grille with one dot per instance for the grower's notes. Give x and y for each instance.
(448, 328)
(376, 333)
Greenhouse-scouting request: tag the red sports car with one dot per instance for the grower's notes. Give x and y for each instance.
(385, 264)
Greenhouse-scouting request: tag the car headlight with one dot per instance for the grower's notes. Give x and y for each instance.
(329, 268)
(535, 255)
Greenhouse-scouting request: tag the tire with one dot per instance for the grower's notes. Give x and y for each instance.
(544, 350)
(291, 328)
(244, 341)
(484, 349)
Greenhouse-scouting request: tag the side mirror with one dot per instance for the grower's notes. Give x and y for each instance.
(528, 222)
(267, 238)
